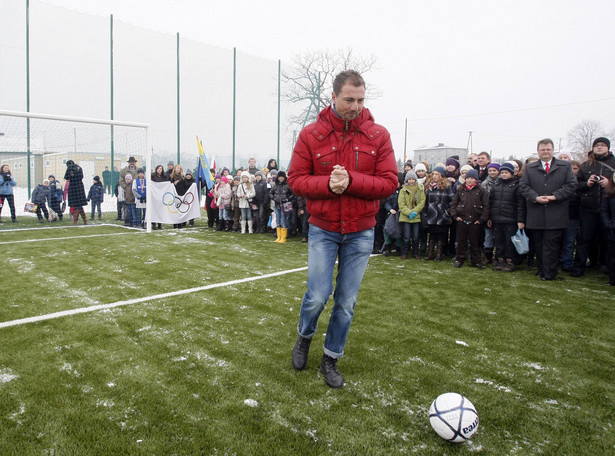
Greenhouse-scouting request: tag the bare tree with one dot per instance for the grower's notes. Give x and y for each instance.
(308, 81)
(581, 136)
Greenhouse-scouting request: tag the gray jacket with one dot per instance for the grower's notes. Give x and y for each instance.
(560, 182)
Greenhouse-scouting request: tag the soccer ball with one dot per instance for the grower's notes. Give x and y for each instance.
(453, 417)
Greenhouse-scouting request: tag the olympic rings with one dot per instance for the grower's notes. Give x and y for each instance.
(180, 204)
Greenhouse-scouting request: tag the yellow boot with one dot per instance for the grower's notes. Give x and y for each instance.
(284, 234)
(278, 230)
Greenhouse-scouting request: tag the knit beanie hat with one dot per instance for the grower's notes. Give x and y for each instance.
(602, 140)
(218, 176)
(280, 174)
(452, 161)
(224, 179)
(246, 174)
(259, 173)
(420, 167)
(507, 167)
(410, 175)
(465, 168)
(472, 173)
(441, 170)
(494, 165)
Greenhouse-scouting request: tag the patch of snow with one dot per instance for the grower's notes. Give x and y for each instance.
(490, 383)
(7, 375)
(461, 342)
(251, 403)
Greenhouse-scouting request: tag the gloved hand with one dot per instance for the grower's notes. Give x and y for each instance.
(412, 215)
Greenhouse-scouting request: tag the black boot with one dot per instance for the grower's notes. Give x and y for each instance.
(328, 367)
(229, 225)
(430, 250)
(488, 252)
(300, 353)
(387, 250)
(221, 224)
(440, 253)
(415, 250)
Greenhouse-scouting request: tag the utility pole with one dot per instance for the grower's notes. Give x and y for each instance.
(469, 145)
(405, 140)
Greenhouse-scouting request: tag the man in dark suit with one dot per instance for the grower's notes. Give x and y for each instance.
(483, 161)
(546, 186)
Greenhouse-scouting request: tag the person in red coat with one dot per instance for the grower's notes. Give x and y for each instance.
(343, 164)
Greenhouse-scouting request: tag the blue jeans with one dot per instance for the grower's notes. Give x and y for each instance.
(96, 204)
(131, 214)
(489, 238)
(570, 238)
(246, 214)
(410, 232)
(281, 219)
(324, 248)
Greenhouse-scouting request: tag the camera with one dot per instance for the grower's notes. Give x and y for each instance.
(597, 178)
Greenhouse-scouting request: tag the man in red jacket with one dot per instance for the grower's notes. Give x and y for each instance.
(343, 164)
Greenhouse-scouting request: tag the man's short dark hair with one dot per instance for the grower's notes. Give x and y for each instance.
(486, 154)
(545, 141)
(347, 77)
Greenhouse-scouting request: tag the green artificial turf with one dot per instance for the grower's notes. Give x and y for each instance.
(209, 372)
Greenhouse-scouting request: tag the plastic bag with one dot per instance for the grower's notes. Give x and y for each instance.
(521, 242)
(287, 207)
(30, 207)
(392, 227)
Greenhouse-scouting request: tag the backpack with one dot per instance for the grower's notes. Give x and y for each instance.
(392, 227)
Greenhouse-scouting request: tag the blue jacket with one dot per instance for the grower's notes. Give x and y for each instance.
(96, 193)
(6, 184)
(56, 193)
(40, 195)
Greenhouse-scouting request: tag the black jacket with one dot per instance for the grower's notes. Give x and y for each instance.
(590, 197)
(506, 202)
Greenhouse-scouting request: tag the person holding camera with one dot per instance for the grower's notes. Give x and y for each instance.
(6, 190)
(594, 177)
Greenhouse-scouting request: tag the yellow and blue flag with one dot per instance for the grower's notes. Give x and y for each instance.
(202, 170)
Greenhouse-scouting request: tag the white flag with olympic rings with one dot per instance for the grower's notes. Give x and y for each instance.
(169, 207)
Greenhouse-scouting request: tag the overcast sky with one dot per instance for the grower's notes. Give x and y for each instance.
(511, 72)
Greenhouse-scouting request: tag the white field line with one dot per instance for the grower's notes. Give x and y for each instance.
(66, 313)
(129, 231)
(67, 237)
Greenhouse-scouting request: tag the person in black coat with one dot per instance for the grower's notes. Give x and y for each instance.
(607, 214)
(506, 215)
(76, 191)
(546, 186)
(594, 176)
(261, 200)
(159, 175)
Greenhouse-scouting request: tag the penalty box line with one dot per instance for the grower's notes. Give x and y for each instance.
(82, 310)
(66, 237)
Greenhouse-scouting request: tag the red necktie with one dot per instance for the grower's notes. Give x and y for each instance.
(547, 168)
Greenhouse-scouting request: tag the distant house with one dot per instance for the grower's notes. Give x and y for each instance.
(439, 154)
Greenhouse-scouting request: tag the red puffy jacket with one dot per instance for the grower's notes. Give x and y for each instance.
(364, 149)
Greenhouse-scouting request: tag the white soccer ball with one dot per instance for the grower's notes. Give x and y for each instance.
(453, 417)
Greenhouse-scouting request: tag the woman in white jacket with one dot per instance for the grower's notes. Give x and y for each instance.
(245, 193)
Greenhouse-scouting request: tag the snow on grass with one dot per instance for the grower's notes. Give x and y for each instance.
(495, 385)
(7, 375)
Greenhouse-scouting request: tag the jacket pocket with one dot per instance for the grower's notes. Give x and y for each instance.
(365, 159)
(324, 159)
